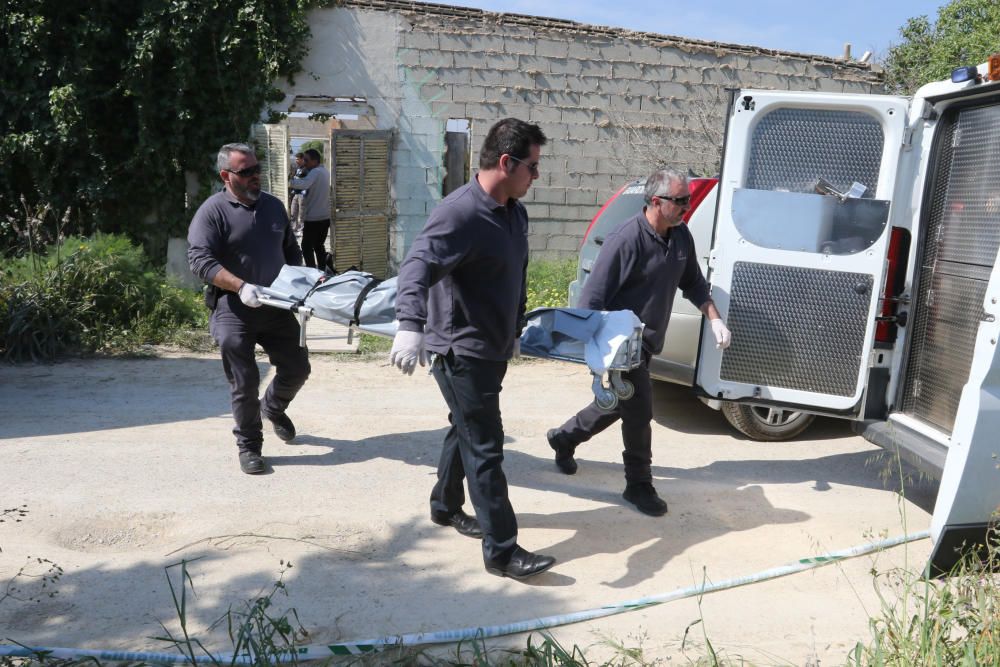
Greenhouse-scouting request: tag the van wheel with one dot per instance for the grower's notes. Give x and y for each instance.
(766, 424)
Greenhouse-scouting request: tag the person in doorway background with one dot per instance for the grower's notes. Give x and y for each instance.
(296, 196)
(316, 205)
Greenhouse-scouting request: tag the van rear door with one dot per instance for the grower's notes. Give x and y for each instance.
(797, 275)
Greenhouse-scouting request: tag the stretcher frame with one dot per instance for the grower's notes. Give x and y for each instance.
(607, 393)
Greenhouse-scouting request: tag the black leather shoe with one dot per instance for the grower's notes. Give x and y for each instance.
(564, 453)
(251, 463)
(645, 498)
(283, 426)
(522, 564)
(460, 521)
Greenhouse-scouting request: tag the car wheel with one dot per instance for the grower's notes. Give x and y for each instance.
(764, 423)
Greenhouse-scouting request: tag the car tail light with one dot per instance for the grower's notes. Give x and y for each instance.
(699, 189)
(895, 276)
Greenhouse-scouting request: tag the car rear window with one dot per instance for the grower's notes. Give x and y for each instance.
(624, 206)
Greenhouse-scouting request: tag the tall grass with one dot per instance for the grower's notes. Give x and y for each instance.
(257, 632)
(926, 621)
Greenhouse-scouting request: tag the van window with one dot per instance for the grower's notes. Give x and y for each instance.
(791, 152)
(791, 148)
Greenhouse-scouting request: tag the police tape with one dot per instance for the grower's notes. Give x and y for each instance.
(321, 651)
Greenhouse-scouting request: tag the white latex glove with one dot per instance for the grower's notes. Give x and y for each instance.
(722, 335)
(407, 350)
(517, 349)
(250, 295)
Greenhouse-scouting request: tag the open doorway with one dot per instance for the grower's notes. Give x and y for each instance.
(457, 154)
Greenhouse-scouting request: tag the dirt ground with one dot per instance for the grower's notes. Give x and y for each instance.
(127, 466)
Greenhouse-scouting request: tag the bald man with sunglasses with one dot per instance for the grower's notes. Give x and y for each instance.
(239, 239)
(641, 265)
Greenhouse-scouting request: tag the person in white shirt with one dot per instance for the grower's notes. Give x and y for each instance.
(316, 207)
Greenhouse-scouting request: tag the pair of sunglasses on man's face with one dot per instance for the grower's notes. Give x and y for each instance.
(246, 173)
(680, 201)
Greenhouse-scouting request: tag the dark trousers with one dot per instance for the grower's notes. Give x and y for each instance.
(635, 415)
(473, 449)
(313, 236)
(237, 328)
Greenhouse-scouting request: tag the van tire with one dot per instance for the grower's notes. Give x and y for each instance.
(766, 424)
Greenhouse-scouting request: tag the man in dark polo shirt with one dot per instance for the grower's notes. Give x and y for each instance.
(640, 266)
(239, 239)
(462, 297)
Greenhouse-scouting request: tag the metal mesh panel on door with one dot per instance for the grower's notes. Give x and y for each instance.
(970, 233)
(361, 200)
(797, 328)
(943, 355)
(960, 247)
(272, 142)
(791, 148)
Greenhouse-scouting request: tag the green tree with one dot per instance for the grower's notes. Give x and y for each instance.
(966, 33)
(105, 104)
(314, 144)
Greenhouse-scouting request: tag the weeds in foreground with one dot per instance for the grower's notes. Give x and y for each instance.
(257, 633)
(37, 578)
(948, 621)
(543, 650)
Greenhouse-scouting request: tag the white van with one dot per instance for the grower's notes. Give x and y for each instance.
(676, 362)
(855, 261)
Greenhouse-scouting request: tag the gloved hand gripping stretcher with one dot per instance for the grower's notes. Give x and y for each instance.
(608, 342)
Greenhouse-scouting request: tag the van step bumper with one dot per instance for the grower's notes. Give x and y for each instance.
(915, 448)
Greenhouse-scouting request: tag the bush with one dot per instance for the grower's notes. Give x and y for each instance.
(548, 282)
(89, 295)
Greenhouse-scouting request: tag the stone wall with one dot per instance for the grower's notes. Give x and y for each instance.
(613, 102)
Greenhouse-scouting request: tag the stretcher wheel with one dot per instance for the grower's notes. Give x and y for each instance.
(606, 400)
(625, 390)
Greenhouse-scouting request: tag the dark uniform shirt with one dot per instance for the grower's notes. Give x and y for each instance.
(463, 280)
(639, 270)
(251, 242)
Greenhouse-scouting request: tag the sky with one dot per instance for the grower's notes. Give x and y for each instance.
(808, 26)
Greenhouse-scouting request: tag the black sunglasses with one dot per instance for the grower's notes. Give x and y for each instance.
(680, 201)
(532, 166)
(245, 173)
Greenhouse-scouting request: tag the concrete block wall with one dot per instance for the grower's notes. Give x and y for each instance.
(614, 103)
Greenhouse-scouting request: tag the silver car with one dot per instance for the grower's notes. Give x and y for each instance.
(676, 362)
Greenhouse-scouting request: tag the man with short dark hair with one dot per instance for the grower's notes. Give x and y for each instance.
(462, 298)
(239, 239)
(316, 205)
(640, 266)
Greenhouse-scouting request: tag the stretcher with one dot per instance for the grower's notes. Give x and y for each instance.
(355, 299)
(609, 343)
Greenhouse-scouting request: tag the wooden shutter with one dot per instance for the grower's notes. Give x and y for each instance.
(360, 202)
(272, 151)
